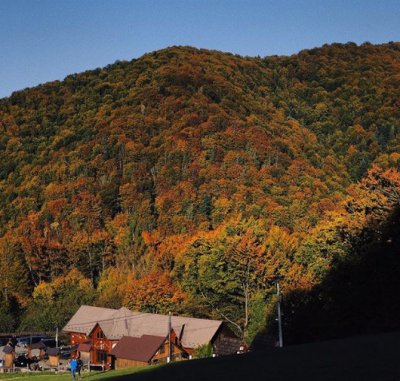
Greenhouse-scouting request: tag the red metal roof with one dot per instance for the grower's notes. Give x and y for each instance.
(84, 347)
(137, 348)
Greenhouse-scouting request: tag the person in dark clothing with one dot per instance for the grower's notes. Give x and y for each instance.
(79, 367)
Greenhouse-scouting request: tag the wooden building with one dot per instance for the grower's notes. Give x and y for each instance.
(36, 350)
(230, 346)
(105, 327)
(146, 350)
(54, 357)
(84, 353)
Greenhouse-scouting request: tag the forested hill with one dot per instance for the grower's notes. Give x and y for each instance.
(192, 180)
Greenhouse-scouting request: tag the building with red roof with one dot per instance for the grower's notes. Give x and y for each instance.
(146, 350)
(102, 329)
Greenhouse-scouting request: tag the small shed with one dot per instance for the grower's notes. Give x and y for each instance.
(229, 346)
(9, 355)
(36, 350)
(84, 350)
(54, 357)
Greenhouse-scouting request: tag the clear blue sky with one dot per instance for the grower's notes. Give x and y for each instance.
(44, 40)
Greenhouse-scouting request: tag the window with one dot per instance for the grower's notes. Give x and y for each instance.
(100, 335)
(162, 349)
(101, 356)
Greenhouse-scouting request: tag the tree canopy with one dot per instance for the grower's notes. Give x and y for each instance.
(193, 180)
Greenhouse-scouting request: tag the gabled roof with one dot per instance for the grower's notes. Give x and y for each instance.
(138, 349)
(123, 322)
(119, 325)
(53, 351)
(8, 349)
(86, 318)
(192, 332)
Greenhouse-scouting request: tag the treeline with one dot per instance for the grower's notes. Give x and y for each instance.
(192, 181)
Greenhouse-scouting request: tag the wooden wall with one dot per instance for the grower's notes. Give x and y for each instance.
(9, 360)
(78, 338)
(123, 363)
(224, 331)
(161, 356)
(100, 344)
(54, 361)
(176, 350)
(85, 357)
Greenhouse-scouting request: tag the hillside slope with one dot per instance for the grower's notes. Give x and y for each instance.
(136, 174)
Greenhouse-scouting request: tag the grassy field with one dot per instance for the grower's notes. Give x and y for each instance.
(367, 358)
(51, 376)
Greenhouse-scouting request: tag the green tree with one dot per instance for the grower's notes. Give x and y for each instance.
(203, 351)
(55, 303)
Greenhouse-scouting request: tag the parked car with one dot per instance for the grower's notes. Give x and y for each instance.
(49, 342)
(65, 354)
(22, 360)
(27, 340)
(22, 341)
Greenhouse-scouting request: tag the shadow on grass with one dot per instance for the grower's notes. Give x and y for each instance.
(366, 358)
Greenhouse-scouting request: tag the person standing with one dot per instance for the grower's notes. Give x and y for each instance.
(73, 364)
(79, 365)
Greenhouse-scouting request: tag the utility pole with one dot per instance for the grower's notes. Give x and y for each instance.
(278, 294)
(169, 337)
(57, 337)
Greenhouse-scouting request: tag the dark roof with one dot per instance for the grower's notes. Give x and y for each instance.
(263, 342)
(85, 347)
(53, 351)
(229, 346)
(39, 345)
(135, 348)
(8, 349)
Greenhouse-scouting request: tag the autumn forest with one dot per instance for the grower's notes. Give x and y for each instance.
(193, 181)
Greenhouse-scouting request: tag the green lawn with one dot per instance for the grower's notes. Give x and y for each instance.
(367, 358)
(44, 376)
